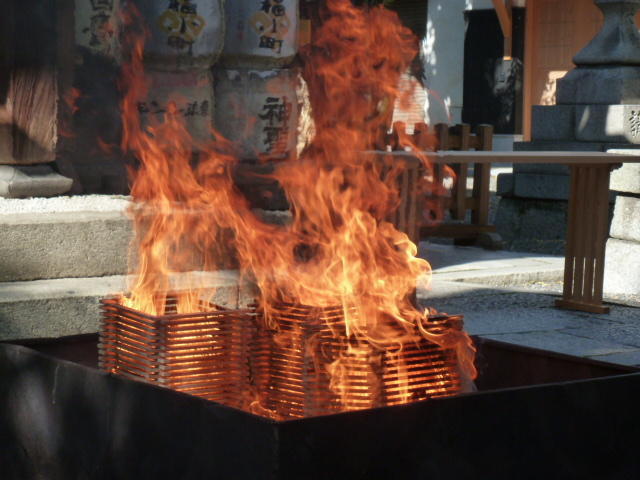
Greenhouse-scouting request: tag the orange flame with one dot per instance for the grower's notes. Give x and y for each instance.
(71, 98)
(338, 249)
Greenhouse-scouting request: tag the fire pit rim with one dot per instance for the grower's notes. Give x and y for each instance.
(631, 371)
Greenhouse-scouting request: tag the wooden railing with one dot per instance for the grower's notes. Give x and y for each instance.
(458, 199)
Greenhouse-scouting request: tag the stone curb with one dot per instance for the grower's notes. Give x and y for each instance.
(70, 306)
(507, 278)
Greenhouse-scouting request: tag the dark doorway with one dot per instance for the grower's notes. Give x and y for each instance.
(493, 87)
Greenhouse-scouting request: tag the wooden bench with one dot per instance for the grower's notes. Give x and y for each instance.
(587, 220)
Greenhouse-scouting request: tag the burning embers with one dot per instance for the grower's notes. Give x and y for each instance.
(360, 342)
(307, 365)
(282, 371)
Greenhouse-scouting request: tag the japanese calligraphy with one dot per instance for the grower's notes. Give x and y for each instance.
(271, 23)
(275, 112)
(191, 109)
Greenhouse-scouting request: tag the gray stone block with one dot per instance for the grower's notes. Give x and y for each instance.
(608, 123)
(49, 317)
(546, 145)
(32, 181)
(509, 218)
(63, 244)
(626, 178)
(626, 219)
(622, 267)
(70, 306)
(532, 225)
(504, 186)
(490, 241)
(103, 176)
(540, 169)
(544, 221)
(540, 186)
(604, 86)
(536, 245)
(553, 122)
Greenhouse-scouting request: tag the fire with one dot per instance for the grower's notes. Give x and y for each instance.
(71, 98)
(338, 251)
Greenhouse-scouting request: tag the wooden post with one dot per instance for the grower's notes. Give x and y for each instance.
(381, 139)
(587, 230)
(442, 134)
(459, 192)
(442, 141)
(37, 60)
(482, 178)
(422, 138)
(398, 136)
(503, 10)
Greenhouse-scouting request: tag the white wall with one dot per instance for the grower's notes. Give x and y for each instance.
(443, 50)
(485, 4)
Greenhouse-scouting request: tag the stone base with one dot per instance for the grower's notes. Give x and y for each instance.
(32, 181)
(605, 86)
(626, 179)
(103, 176)
(626, 219)
(587, 127)
(608, 123)
(63, 244)
(504, 185)
(534, 186)
(532, 225)
(490, 241)
(622, 267)
(553, 122)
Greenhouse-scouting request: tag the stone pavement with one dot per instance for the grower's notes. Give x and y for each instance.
(59, 256)
(509, 297)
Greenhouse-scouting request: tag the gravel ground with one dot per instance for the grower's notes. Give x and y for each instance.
(81, 203)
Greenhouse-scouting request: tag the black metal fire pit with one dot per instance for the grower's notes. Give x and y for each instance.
(536, 415)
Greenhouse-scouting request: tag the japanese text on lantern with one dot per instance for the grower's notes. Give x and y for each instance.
(275, 112)
(271, 24)
(191, 109)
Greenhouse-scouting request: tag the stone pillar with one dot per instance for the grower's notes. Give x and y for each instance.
(598, 109)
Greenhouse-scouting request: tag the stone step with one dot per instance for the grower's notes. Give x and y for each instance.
(85, 236)
(70, 306)
(622, 267)
(73, 237)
